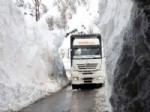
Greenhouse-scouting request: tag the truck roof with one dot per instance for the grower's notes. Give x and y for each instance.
(86, 41)
(85, 36)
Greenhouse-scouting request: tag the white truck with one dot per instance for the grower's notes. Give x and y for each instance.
(86, 60)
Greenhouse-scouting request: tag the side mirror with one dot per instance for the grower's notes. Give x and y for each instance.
(69, 53)
(103, 56)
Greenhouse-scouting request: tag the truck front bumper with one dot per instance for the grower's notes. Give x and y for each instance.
(82, 81)
(79, 79)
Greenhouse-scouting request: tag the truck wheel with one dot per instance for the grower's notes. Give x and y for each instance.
(99, 85)
(74, 87)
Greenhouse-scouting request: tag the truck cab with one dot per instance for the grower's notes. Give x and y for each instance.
(86, 60)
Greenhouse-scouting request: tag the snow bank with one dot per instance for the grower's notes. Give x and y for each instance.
(124, 26)
(30, 66)
(114, 18)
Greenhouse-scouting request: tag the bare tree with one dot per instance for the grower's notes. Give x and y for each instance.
(37, 10)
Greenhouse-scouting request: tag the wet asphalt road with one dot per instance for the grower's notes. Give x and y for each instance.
(68, 100)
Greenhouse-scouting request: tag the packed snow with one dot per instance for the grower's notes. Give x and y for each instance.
(30, 65)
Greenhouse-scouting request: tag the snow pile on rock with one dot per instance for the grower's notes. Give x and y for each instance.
(30, 66)
(124, 25)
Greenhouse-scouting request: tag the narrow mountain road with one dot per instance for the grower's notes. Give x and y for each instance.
(68, 100)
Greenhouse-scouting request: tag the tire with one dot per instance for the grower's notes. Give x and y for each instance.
(99, 85)
(74, 87)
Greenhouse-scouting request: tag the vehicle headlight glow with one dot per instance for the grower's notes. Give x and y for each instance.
(100, 77)
(75, 78)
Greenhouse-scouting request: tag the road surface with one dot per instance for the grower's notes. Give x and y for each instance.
(68, 100)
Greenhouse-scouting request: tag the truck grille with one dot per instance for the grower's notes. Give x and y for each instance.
(86, 72)
(87, 66)
(87, 80)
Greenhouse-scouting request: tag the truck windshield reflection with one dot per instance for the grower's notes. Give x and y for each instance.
(86, 52)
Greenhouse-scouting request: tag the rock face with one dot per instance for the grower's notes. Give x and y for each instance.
(131, 90)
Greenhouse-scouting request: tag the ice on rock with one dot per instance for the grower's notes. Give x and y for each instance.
(125, 29)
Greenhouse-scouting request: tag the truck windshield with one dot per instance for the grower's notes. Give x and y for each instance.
(86, 52)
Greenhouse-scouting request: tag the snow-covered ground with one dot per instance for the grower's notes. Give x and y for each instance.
(30, 65)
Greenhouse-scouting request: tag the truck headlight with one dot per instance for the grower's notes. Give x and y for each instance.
(100, 77)
(75, 78)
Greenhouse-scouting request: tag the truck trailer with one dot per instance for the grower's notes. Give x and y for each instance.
(86, 60)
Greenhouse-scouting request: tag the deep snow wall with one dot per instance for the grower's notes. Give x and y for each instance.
(30, 66)
(131, 90)
(114, 18)
(125, 28)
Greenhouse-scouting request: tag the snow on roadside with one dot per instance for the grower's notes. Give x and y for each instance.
(30, 66)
